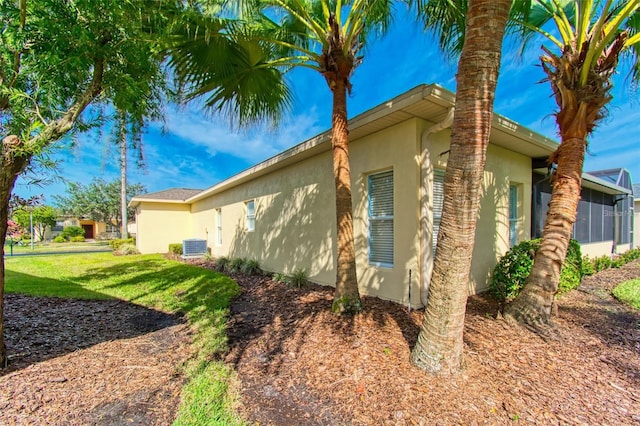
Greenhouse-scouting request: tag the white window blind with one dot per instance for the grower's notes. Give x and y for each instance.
(381, 218)
(513, 215)
(438, 201)
(251, 216)
(219, 226)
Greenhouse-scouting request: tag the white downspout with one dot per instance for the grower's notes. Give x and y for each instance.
(426, 206)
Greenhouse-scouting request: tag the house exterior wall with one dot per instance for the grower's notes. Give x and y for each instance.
(161, 224)
(636, 223)
(602, 248)
(295, 213)
(503, 168)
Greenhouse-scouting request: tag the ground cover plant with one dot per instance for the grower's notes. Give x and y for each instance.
(201, 295)
(629, 292)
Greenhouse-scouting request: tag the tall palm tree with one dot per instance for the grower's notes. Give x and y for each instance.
(276, 36)
(590, 39)
(439, 346)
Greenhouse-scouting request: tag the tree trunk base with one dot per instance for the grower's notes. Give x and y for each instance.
(533, 317)
(347, 305)
(435, 364)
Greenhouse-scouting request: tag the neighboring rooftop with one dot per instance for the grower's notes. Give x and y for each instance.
(619, 177)
(636, 190)
(172, 194)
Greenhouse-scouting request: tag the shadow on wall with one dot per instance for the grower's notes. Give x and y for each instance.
(292, 231)
(493, 220)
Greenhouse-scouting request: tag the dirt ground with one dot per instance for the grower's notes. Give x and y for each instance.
(78, 362)
(299, 364)
(110, 362)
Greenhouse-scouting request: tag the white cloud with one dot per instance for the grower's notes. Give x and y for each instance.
(253, 145)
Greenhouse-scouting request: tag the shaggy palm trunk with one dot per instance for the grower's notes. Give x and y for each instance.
(347, 296)
(439, 346)
(12, 166)
(123, 182)
(534, 304)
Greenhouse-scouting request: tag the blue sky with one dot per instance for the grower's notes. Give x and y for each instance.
(197, 150)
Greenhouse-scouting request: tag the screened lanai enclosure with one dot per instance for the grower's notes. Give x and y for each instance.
(605, 211)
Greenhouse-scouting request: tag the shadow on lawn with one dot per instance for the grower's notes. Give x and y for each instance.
(41, 328)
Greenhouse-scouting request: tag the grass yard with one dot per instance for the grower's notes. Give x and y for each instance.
(629, 292)
(203, 296)
(51, 247)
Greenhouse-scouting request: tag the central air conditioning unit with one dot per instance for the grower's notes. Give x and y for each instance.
(194, 247)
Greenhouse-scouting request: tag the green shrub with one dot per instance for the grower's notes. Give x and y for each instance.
(72, 231)
(514, 267)
(631, 255)
(116, 244)
(618, 262)
(280, 277)
(222, 264)
(236, 265)
(299, 278)
(126, 249)
(601, 263)
(571, 273)
(59, 239)
(251, 267)
(175, 249)
(77, 239)
(587, 266)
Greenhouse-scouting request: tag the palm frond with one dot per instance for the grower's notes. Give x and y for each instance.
(446, 21)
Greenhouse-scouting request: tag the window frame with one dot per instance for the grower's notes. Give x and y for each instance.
(250, 218)
(378, 219)
(438, 176)
(514, 214)
(219, 226)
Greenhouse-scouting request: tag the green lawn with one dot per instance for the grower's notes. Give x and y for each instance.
(153, 281)
(629, 292)
(51, 247)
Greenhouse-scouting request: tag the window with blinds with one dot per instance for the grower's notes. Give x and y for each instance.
(219, 227)
(513, 215)
(381, 218)
(438, 201)
(250, 220)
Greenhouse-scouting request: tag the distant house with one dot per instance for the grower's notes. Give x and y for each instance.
(282, 211)
(92, 229)
(636, 216)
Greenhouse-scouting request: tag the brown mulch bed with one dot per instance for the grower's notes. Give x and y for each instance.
(78, 362)
(299, 364)
(109, 362)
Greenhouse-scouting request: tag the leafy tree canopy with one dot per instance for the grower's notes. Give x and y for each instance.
(99, 200)
(42, 216)
(58, 56)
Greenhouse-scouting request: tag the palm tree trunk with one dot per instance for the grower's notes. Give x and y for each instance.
(534, 304)
(123, 180)
(439, 346)
(347, 296)
(11, 167)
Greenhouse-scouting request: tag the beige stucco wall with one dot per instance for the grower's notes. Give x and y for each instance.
(602, 248)
(295, 213)
(161, 224)
(294, 220)
(503, 168)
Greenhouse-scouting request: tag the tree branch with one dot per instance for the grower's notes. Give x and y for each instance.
(58, 128)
